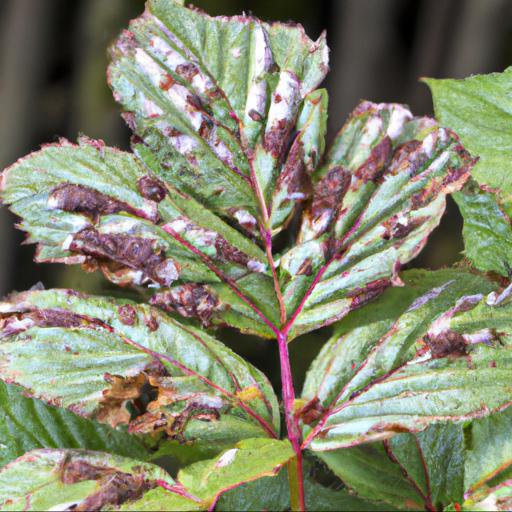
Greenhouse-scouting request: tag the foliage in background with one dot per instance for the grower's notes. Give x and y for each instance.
(133, 404)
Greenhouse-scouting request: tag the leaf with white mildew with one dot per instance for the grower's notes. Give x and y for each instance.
(122, 363)
(446, 357)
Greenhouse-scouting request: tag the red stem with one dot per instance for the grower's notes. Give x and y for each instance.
(292, 424)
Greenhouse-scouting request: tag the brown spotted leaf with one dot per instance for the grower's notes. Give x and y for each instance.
(89, 481)
(131, 365)
(416, 357)
(225, 105)
(102, 207)
(380, 193)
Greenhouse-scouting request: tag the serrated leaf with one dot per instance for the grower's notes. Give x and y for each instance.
(78, 480)
(487, 230)
(441, 360)
(85, 480)
(27, 424)
(410, 471)
(217, 99)
(478, 108)
(249, 460)
(272, 493)
(379, 195)
(128, 364)
(98, 206)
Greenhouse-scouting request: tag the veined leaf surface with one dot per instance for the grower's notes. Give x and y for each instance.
(441, 359)
(128, 364)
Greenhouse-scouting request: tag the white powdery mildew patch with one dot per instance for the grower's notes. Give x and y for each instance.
(221, 150)
(284, 101)
(442, 324)
(167, 272)
(226, 458)
(372, 129)
(245, 218)
(256, 266)
(399, 116)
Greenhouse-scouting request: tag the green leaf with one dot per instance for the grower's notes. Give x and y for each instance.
(371, 474)
(487, 230)
(217, 100)
(379, 195)
(101, 207)
(272, 493)
(78, 479)
(123, 363)
(442, 359)
(410, 471)
(249, 460)
(478, 108)
(84, 480)
(488, 451)
(26, 424)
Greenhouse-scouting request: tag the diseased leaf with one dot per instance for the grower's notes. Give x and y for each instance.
(442, 359)
(26, 424)
(101, 207)
(123, 363)
(77, 480)
(84, 480)
(379, 195)
(217, 100)
(249, 460)
(478, 108)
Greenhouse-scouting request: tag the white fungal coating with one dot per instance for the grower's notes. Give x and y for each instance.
(256, 266)
(399, 116)
(226, 458)
(284, 101)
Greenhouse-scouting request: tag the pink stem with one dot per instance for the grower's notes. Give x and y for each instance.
(292, 425)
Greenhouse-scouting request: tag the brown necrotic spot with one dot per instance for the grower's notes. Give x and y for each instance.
(151, 188)
(189, 300)
(127, 314)
(114, 487)
(447, 343)
(82, 199)
(362, 296)
(134, 252)
(374, 167)
(328, 197)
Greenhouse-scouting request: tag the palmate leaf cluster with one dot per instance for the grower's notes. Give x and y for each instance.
(405, 405)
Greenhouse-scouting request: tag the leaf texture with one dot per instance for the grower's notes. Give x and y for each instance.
(27, 424)
(376, 199)
(85, 480)
(127, 364)
(478, 108)
(441, 359)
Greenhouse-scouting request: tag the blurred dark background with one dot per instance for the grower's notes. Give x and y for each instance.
(52, 83)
